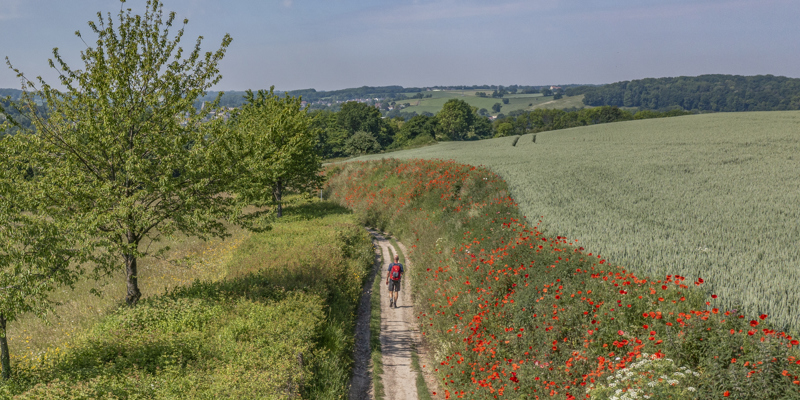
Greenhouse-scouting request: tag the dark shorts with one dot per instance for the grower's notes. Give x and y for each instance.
(394, 285)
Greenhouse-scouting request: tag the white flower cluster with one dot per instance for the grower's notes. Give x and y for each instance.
(637, 378)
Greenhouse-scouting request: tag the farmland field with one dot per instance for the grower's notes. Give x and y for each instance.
(515, 101)
(715, 196)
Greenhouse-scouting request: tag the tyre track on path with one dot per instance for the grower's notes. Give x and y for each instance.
(398, 333)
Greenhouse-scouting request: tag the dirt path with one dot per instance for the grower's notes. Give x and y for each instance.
(361, 383)
(397, 333)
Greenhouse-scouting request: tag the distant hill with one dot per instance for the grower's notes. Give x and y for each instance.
(698, 93)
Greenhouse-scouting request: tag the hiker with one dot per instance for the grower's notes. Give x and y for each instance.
(393, 280)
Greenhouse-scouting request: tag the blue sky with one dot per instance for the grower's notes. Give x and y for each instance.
(334, 44)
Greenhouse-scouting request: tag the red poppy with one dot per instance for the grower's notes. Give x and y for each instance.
(753, 323)
(763, 316)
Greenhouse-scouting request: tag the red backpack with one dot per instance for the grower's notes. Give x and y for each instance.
(396, 272)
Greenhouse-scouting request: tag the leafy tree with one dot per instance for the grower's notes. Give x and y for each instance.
(504, 129)
(276, 150)
(483, 112)
(362, 143)
(355, 116)
(547, 91)
(36, 257)
(330, 136)
(482, 128)
(496, 107)
(505, 101)
(417, 126)
(123, 152)
(455, 120)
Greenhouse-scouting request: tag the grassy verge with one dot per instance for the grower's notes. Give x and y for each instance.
(278, 325)
(375, 335)
(422, 388)
(509, 311)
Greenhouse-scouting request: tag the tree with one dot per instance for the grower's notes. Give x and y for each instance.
(36, 257)
(330, 136)
(496, 107)
(362, 143)
(276, 147)
(123, 153)
(419, 125)
(355, 116)
(455, 120)
(504, 129)
(505, 101)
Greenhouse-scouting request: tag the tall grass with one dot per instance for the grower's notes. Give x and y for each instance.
(276, 324)
(715, 196)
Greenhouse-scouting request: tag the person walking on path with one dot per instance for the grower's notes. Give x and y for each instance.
(393, 277)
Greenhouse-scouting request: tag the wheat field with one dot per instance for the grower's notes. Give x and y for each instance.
(715, 196)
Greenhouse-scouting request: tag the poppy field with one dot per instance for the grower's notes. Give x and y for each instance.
(715, 196)
(511, 311)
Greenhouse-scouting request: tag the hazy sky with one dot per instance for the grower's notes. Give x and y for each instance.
(335, 44)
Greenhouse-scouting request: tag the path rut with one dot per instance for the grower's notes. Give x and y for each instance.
(398, 332)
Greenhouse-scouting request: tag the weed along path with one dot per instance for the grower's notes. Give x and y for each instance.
(398, 333)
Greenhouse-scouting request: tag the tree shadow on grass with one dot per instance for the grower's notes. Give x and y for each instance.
(306, 211)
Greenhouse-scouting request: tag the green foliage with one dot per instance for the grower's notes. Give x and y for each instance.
(36, 257)
(417, 126)
(330, 136)
(703, 93)
(275, 150)
(355, 116)
(504, 129)
(362, 143)
(455, 120)
(122, 151)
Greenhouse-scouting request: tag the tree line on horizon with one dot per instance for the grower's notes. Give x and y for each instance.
(704, 93)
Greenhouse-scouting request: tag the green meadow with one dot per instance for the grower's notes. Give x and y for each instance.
(715, 196)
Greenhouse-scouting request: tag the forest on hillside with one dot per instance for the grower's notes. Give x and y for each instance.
(704, 93)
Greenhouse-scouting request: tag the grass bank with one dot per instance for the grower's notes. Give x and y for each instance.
(277, 325)
(512, 312)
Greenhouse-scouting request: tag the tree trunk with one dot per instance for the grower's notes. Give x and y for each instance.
(132, 280)
(5, 358)
(276, 193)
